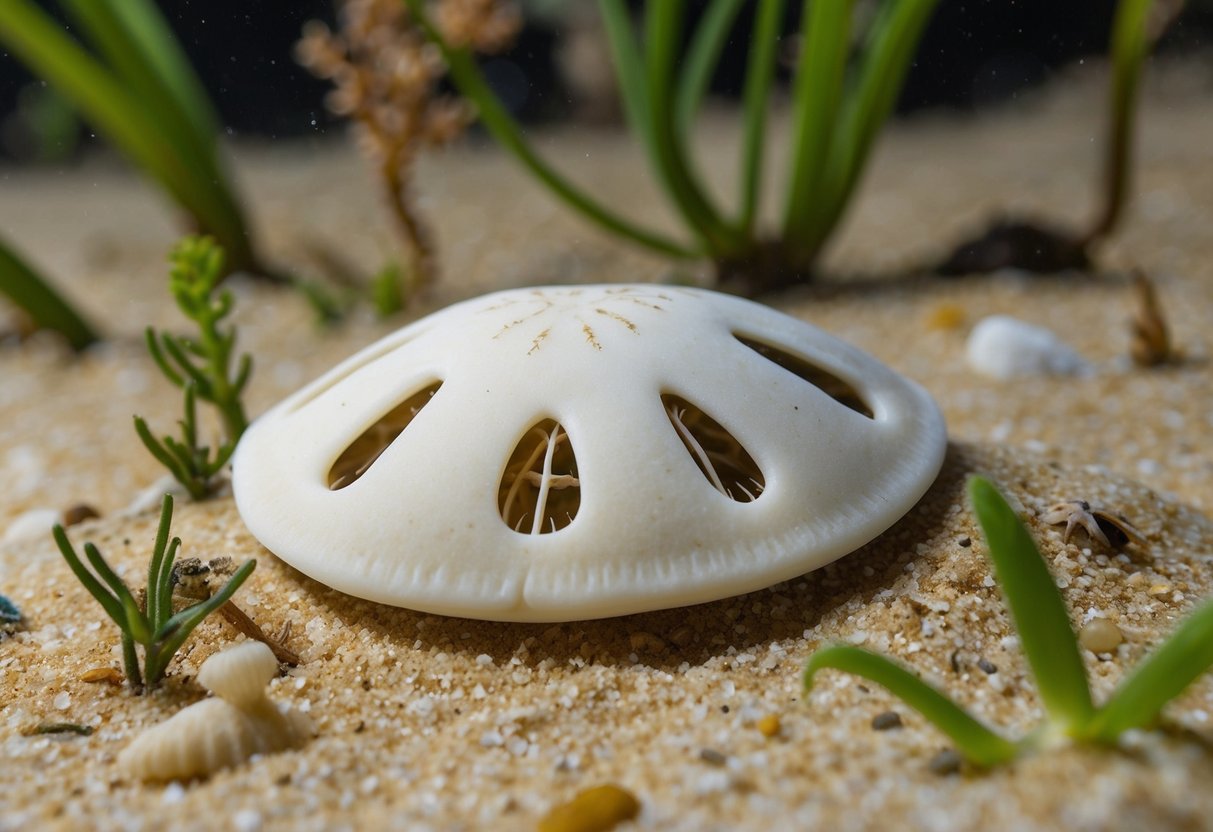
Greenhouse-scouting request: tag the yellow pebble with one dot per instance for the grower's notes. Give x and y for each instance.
(1101, 636)
(769, 725)
(593, 810)
(945, 316)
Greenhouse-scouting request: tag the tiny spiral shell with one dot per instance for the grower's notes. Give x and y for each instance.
(223, 731)
(239, 674)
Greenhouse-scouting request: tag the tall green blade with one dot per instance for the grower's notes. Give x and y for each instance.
(816, 92)
(472, 85)
(891, 44)
(149, 32)
(701, 59)
(1129, 47)
(132, 126)
(1176, 663)
(1037, 609)
(662, 32)
(45, 307)
(975, 741)
(760, 72)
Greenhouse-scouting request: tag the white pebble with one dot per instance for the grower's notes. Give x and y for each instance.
(36, 522)
(1004, 347)
(246, 820)
(62, 701)
(174, 792)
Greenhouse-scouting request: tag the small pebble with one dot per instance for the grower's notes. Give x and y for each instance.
(1003, 347)
(965, 542)
(886, 721)
(682, 637)
(9, 614)
(946, 762)
(945, 316)
(987, 666)
(712, 757)
(102, 674)
(1100, 636)
(596, 809)
(769, 726)
(78, 513)
(642, 641)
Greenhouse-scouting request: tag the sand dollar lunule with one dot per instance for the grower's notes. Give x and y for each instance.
(576, 452)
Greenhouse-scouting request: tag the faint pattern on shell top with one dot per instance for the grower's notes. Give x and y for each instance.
(223, 731)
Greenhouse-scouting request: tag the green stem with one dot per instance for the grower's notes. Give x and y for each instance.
(133, 126)
(472, 85)
(1037, 610)
(891, 45)
(760, 72)
(130, 661)
(1129, 46)
(815, 97)
(663, 28)
(48, 310)
(701, 59)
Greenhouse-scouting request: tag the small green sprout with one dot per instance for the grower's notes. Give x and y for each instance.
(154, 625)
(1039, 615)
(201, 367)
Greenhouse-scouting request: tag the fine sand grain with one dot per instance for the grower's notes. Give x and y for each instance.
(427, 722)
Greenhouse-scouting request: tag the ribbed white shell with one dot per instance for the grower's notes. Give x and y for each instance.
(239, 674)
(421, 528)
(221, 732)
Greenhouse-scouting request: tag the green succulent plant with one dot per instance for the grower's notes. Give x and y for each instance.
(153, 624)
(1040, 618)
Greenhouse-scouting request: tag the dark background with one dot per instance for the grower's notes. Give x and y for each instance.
(974, 53)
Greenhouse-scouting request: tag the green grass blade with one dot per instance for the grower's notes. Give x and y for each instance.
(760, 72)
(113, 110)
(1129, 46)
(701, 59)
(147, 30)
(46, 308)
(108, 602)
(1037, 609)
(816, 92)
(975, 741)
(130, 661)
(105, 26)
(891, 44)
(471, 84)
(1163, 675)
(156, 566)
(662, 32)
(109, 576)
(629, 67)
(136, 623)
(178, 628)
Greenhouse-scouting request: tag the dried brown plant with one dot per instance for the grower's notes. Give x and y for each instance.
(1150, 340)
(386, 78)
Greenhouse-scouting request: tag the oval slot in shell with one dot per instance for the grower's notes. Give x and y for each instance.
(540, 491)
(830, 384)
(362, 453)
(721, 458)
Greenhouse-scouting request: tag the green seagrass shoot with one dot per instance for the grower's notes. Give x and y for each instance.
(153, 625)
(1040, 618)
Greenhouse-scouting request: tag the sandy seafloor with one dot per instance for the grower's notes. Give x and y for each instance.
(427, 722)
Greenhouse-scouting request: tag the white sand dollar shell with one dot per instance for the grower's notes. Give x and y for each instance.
(577, 452)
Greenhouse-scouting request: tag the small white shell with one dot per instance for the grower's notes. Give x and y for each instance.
(1004, 347)
(218, 733)
(240, 674)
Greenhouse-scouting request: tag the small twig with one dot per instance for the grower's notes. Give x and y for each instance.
(239, 619)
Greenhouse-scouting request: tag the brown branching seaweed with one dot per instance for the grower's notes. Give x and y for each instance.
(386, 78)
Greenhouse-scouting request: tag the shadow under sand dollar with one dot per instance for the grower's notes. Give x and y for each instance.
(668, 639)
